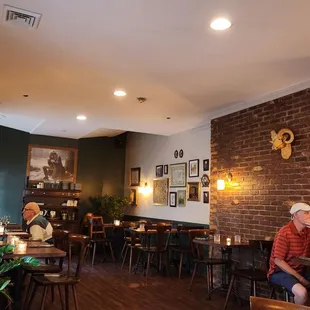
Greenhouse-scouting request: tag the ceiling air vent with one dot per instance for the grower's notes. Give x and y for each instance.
(19, 17)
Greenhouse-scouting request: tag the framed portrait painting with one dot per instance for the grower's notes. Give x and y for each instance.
(193, 170)
(133, 197)
(206, 197)
(159, 171)
(193, 191)
(181, 198)
(160, 192)
(51, 164)
(178, 175)
(173, 199)
(135, 176)
(206, 165)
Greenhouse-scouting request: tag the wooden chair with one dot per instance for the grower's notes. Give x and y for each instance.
(258, 303)
(61, 241)
(63, 280)
(201, 258)
(253, 274)
(98, 235)
(157, 248)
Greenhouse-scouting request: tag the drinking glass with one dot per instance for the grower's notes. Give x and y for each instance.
(217, 238)
(237, 239)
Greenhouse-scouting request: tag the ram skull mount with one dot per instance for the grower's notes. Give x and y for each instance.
(282, 141)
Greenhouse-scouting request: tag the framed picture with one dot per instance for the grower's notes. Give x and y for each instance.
(193, 170)
(135, 176)
(173, 199)
(133, 197)
(159, 171)
(166, 169)
(178, 175)
(193, 191)
(206, 165)
(205, 197)
(160, 192)
(181, 198)
(48, 163)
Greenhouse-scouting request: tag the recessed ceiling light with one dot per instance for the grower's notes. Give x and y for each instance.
(168, 117)
(119, 93)
(220, 24)
(81, 117)
(26, 95)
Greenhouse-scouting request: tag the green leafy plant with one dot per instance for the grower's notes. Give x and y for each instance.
(6, 266)
(110, 207)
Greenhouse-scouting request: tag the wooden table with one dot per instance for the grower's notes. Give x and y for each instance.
(36, 252)
(21, 234)
(226, 249)
(301, 261)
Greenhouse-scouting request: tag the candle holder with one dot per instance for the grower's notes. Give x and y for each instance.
(228, 241)
(117, 222)
(21, 247)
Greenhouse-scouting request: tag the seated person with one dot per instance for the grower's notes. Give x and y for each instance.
(37, 225)
(291, 241)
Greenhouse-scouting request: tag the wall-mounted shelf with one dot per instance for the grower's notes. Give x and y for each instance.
(53, 200)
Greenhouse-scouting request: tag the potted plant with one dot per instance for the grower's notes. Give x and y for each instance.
(6, 266)
(110, 207)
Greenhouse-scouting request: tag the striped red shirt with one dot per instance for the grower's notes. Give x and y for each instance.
(289, 243)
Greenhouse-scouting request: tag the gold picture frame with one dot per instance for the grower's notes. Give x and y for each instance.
(50, 163)
(160, 191)
(193, 191)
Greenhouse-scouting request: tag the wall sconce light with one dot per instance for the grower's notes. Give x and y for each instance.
(145, 189)
(220, 184)
(229, 176)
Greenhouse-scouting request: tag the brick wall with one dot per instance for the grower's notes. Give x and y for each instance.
(264, 185)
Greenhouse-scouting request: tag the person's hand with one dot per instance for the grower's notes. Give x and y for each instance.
(304, 282)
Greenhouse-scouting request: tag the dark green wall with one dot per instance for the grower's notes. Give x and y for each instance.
(13, 159)
(101, 166)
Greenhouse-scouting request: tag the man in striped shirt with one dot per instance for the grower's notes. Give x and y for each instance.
(292, 240)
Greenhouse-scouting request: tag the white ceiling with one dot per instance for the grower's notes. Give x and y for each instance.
(161, 49)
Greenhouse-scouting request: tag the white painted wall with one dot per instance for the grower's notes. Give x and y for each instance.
(147, 151)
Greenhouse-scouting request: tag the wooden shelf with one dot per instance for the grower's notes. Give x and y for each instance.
(53, 190)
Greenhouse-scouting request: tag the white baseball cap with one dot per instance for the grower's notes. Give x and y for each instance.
(299, 206)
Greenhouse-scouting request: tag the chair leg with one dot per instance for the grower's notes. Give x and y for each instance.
(130, 259)
(33, 293)
(94, 252)
(60, 297)
(67, 297)
(112, 253)
(138, 261)
(27, 294)
(193, 276)
(75, 297)
(231, 284)
(211, 277)
(287, 297)
(44, 297)
(124, 257)
(123, 249)
(181, 264)
(254, 288)
(52, 293)
(271, 293)
(148, 265)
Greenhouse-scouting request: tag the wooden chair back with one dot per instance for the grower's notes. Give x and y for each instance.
(96, 228)
(197, 249)
(264, 247)
(259, 303)
(61, 239)
(83, 242)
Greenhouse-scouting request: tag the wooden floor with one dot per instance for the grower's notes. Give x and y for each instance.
(106, 286)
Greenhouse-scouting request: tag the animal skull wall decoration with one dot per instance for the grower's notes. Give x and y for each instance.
(282, 141)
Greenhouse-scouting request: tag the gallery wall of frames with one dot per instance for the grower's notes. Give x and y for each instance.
(177, 171)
